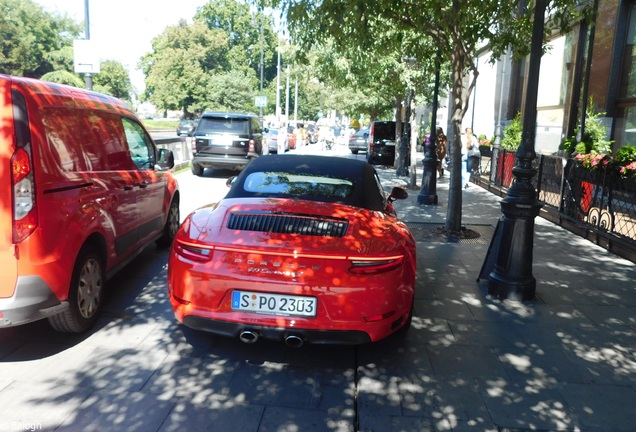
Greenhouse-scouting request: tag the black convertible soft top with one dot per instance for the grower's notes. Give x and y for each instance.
(366, 191)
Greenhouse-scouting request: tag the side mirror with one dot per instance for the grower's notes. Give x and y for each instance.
(365, 135)
(230, 181)
(398, 193)
(165, 160)
(266, 130)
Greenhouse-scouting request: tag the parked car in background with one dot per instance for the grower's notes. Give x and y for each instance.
(84, 189)
(226, 140)
(287, 255)
(291, 137)
(358, 141)
(271, 137)
(381, 142)
(186, 127)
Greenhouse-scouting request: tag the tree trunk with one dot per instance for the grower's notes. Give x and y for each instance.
(462, 65)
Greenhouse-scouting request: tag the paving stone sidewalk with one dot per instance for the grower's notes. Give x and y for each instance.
(564, 361)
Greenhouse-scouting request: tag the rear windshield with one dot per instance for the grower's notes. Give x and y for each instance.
(224, 125)
(284, 183)
(384, 131)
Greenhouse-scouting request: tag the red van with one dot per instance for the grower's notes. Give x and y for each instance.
(83, 189)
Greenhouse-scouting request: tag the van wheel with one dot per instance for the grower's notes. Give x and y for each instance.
(197, 169)
(171, 226)
(85, 294)
(370, 159)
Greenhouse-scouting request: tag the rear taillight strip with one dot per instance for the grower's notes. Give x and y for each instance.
(356, 260)
(25, 216)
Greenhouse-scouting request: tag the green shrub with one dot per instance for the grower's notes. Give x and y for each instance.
(594, 139)
(625, 155)
(568, 145)
(512, 134)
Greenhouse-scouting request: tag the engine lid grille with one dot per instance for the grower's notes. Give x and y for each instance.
(288, 224)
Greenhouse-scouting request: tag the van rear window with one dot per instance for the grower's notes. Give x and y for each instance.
(384, 131)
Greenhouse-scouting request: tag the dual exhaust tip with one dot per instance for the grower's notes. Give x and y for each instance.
(250, 336)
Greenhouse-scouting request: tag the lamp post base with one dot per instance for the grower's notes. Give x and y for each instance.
(512, 275)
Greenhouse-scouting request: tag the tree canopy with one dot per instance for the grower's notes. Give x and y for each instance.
(451, 30)
(31, 39)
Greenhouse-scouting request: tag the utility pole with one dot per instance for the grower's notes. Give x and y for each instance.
(261, 65)
(296, 104)
(278, 87)
(287, 96)
(88, 77)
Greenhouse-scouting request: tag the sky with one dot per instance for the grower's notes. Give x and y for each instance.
(122, 29)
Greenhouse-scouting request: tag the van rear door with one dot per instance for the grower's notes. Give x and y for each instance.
(8, 262)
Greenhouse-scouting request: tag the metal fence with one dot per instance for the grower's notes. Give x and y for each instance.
(599, 205)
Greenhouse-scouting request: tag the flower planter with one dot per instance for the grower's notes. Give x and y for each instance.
(586, 195)
(505, 165)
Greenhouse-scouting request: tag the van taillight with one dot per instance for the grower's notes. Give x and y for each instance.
(371, 133)
(251, 151)
(25, 218)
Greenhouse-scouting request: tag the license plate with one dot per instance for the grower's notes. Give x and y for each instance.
(274, 304)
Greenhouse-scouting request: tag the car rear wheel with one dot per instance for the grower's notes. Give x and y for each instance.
(370, 159)
(197, 169)
(85, 294)
(171, 226)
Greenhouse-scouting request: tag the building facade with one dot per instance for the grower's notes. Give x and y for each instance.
(592, 68)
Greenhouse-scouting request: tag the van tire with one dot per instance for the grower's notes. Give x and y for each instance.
(85, 294)
(197, 169)
(172, 225)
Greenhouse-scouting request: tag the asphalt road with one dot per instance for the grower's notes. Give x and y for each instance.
(140, 370)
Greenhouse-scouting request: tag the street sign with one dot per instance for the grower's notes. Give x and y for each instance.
(260, 101)
(85, 56)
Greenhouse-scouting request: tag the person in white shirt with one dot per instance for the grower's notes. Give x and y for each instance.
(282, 139)
(469, 143)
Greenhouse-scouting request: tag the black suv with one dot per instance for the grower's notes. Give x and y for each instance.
(381, 142)
(186, 127)
(226, 140)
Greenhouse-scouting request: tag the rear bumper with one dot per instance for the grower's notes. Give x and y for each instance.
(32, 300)
(221, 161)
(357, 147)
(233, 330)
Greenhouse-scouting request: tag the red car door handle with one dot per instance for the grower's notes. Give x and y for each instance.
(143, 185)
(128, 187)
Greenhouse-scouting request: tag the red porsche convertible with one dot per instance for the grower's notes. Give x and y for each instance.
(303, 249)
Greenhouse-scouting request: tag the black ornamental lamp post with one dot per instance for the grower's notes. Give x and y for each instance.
(513, 241)
(428, 192)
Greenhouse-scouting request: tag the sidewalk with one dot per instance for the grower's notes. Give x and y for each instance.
(564, 361)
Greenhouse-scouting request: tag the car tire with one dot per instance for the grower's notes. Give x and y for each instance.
(370, 159)
(85, 293)
(172, 225)
(197, 169)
